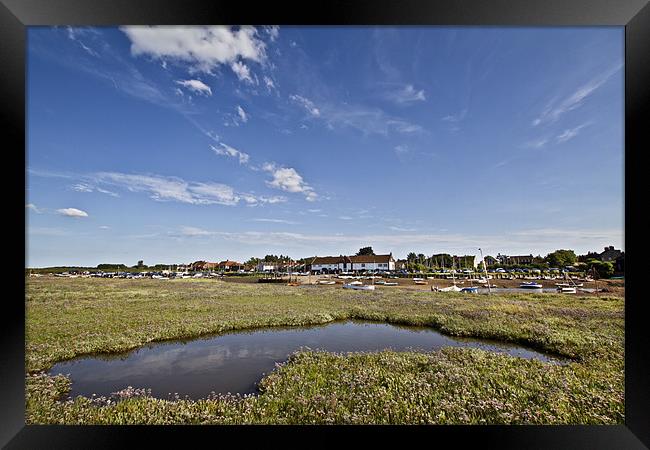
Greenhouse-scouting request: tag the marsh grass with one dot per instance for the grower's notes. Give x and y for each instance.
(66, 318)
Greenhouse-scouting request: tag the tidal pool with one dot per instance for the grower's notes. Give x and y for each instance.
(237, 361)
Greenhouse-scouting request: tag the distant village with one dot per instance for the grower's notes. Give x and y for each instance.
(609, 262)
(387, 263)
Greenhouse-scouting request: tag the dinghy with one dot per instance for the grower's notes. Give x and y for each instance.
(566, 290)
(453, 288)
(360, 287)
(530, 285)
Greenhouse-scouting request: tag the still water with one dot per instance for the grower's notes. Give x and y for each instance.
(237, 361)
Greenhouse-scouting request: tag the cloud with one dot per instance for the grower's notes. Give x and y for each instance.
(242, 71)
(229, 151)
(454, 118)
(273, 32)
(73, 35)
(570, 133)
(72, 212)
(162, 188)
(289, 222)
(84, 187)
(287, 179)
(268, 83)
(553, 112)
(407, 94)
(33, 208)
(536, 143)
(402, 229)
(401, 149)
(367, 120)
(306, 104)
(242, 114)
(196, 86)
(203, 47)
(104, 227)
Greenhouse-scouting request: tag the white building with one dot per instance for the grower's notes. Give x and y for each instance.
(373, 263)
(342, 263)
(331, 264)
(266, 267)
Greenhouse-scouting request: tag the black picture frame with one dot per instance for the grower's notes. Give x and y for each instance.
(634, 15)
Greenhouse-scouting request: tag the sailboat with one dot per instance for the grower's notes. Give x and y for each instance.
(453, 288)
(566, 288)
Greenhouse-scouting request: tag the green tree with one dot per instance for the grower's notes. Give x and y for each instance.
(604, 269)
(561, 258)
(411, 257)
(365, 251)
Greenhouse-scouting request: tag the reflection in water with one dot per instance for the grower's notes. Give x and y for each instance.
(235, 362)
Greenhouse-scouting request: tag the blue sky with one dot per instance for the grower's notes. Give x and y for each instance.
(175, 144)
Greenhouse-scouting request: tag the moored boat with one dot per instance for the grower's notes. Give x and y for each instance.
(566, 290)
(453, 288)
(471, 289)
(530, 285)
(360, 287)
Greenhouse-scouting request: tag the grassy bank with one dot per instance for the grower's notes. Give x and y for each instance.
(70, 317)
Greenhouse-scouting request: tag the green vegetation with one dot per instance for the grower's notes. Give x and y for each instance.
(561, 258)
(602, 269)
(70, 317)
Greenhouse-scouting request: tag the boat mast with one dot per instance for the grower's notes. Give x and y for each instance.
(486, 274)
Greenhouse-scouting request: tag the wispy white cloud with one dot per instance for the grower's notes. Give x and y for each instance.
(196, 86)
(85, 187)
(401, 229)
(242, 114)
(268, 82)
(307, 104)
(288, 222)
(162, 188)
(536, 143)
(406, 94)
(570, 133)
(273, 31)
(74, 35)
(242, 71)
(455, 117)
(553, 111)
(33, 207)
(364, 119)
(72, 212)
(229, 151)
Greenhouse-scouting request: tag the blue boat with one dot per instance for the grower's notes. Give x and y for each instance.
(472, 289)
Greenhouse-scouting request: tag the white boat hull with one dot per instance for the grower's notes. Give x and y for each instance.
(450, 289)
